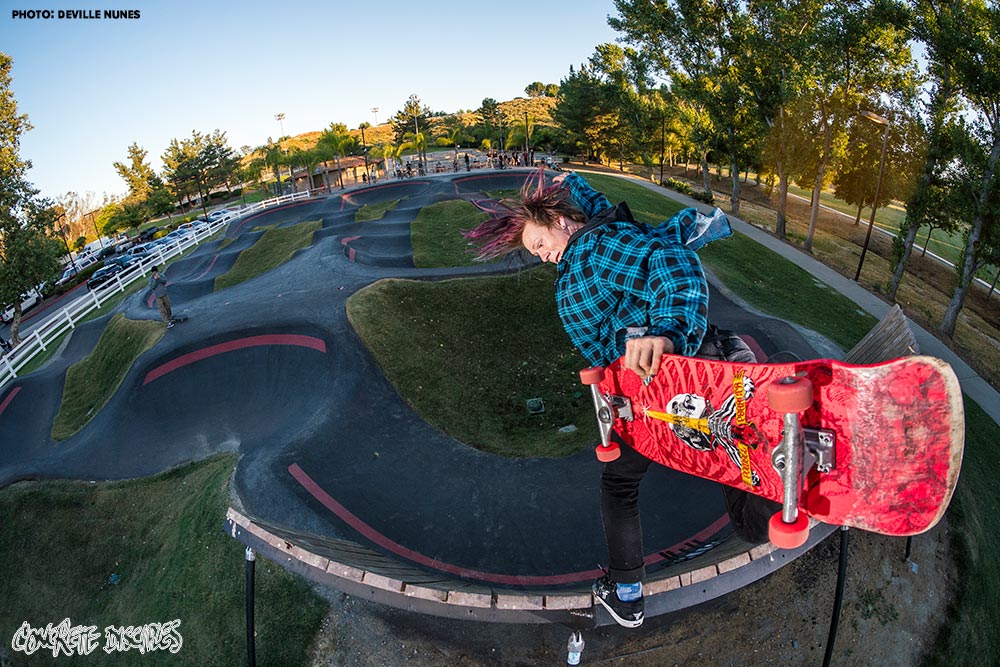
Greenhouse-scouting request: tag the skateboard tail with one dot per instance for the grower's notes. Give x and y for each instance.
(905, 453)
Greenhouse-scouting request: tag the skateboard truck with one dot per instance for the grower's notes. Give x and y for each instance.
(789, 529)
(607, 407)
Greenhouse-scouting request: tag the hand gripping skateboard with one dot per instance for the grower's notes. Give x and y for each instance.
(871, 447)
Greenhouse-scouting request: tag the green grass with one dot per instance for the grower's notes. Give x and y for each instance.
(275, 247)
(370, 212)
(467, 354)
(161, 537)
(776, 286)
(106, 307)
(970, 636)
(436, 234)
(646, 205)
(92, 381)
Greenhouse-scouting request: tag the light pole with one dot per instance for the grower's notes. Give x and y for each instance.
(879, 120)
(375, 112)
(280, 117)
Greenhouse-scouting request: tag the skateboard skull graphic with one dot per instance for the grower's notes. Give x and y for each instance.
(698, 424)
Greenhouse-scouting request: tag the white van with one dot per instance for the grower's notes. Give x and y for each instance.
(29, 300)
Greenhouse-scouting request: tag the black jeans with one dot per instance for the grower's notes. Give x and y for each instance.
(620, 511)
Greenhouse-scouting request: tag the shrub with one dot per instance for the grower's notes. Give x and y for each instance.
(685, 188)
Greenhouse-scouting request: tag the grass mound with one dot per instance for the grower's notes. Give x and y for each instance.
(146, 551)
(92, 381)
(370, 212)
(436, 234)
(275, 247)
(477, 364)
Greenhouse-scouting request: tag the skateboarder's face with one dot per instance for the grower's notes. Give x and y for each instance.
(547, 243)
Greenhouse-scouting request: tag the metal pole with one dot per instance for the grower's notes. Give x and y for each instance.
(364, 148)
(838, 599)
(250, 565)
(878, 192)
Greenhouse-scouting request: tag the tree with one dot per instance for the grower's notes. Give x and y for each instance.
(861, 54)
(27, 255)
(681, 39)
(579, 105)
(412, 119)
(221, 161)
(780, 48)
(184, 168)
(978, 148)
(855, 182)
(489, 111)
(332, 145)
(535, 89)
(147, 196)
(940, 27)
(198, 164)
(136, 172)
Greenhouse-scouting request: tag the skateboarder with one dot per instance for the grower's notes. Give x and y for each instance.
(158, 284)
(623, 289)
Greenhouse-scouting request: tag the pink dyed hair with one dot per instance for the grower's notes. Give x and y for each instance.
(540, 204)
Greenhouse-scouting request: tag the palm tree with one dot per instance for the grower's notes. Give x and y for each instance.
(269, 155)
(455, 135)
(311, 159)
(332, 143)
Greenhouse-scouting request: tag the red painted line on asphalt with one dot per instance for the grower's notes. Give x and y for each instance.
(381, 540)
(10, 397)
(693, 542)
(239, 344)
(272, 209)
(210, 265)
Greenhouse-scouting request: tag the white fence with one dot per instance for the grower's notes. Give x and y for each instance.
(67, 317)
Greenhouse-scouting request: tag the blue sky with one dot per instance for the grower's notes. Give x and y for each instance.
(92, 87)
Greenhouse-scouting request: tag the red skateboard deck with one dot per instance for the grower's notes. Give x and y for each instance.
(883, 444)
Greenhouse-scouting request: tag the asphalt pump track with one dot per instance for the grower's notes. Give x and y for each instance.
(336, 467)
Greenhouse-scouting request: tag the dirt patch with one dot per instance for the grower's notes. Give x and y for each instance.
(892, 612)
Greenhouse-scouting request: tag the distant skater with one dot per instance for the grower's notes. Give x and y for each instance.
(158, 284)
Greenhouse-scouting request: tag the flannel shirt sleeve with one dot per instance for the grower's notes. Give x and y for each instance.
(668, 282)
(590, 201)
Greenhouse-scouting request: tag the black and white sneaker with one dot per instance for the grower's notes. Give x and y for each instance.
(626, 614)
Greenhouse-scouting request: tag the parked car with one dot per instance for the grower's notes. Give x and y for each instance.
(219, 214)
(124, 261)
(103, 274)
(29, 300)
(148, 234)
(68, 274)
(195, 226)
(137, 251)
(178, 235)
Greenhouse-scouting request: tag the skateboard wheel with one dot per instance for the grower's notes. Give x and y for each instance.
(592, 375)
(790, 394)
(788, 535)
(609, 453)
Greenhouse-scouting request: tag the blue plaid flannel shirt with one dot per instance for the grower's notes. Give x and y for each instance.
(622, 275)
